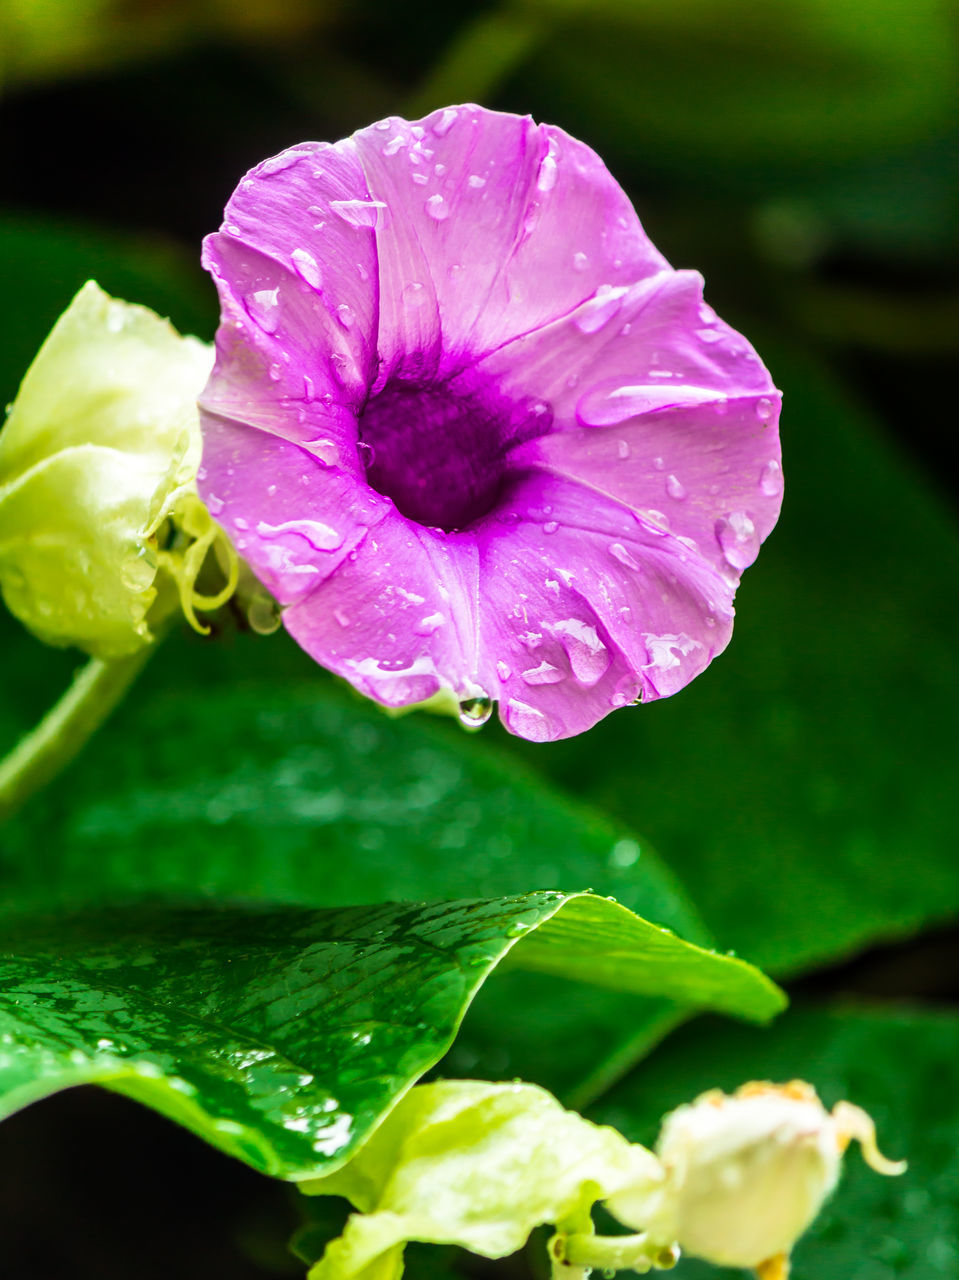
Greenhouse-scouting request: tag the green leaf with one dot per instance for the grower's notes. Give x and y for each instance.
(307, 795)
(283, 1036)
(798, 785)
(900, 1065)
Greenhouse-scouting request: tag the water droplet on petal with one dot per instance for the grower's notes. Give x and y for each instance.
(367, 453)
(527, 722)
(443, 123)
(737, 536)
(307, 268)
(476, 182)
(771, 479)
(214, 504)
(580, 261)
(622, 448)
(475, 712)
(588, 656)
(548, 170)
(429, 626)
(764, 409)
(276, 164)
(414, 294)
(358, 213)
(545, 673)
(437, 208)
(263, 308)
(320, 536)
(675, 488)
(341, 617)
(550, 526)
(709, 336)
(628, 691)
(619, 552)
(421, 179)
(344, 315)
(503, 671)
(395, 144)
(600, 308)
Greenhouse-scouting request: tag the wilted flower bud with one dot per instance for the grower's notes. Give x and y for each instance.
(101, 526)
(747, 1173)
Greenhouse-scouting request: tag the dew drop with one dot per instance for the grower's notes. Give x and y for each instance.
(395, 144)
(214, 504)
(262, 306)
(367, 453)
(344, 315)
(588, 656)
(421, 179)
(619, 552)
(414, 293)
(545, 673)
(736, 535)
(341, 617)
(476, 182)
(675, 488)
(527, 722)
(503, 671)
(622, 448)
(764, 409)
(358, 213)
(548, 172)
(474, 712)
(437, 208)
(307, 268)
(771, 479)
(430, 625)
(443, 123)
(709, 336)
(580, 261)
(600, 308)
(320, 536)
(550, 526)
(276, 164)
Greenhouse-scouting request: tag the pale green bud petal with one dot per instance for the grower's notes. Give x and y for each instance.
(99, 452)
(474, 1164)
(747, 1173)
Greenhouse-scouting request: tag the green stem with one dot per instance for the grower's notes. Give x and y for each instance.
(583, 1251)
(65, 729)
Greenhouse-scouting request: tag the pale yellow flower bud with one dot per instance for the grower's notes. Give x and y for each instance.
(746, 1174)
(98, 459)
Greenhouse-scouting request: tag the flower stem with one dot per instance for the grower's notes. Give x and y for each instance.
(585, 1252)
(65, 729)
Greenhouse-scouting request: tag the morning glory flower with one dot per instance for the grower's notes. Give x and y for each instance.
(473, 431)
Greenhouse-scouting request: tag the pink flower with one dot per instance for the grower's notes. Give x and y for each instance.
(472, 430)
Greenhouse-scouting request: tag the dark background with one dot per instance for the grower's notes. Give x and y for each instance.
(803, 155)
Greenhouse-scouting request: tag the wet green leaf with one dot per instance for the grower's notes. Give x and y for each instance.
(900, 1065)
(305, 794)
(283, 1035)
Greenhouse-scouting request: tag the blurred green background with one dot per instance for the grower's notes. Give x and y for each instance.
(804, 155)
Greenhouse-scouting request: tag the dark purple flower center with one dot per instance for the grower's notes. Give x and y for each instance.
(440, 450)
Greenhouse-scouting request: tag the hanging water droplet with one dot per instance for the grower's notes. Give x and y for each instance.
(771, 479)
(675, 488)
(307, 268)
(474, 712)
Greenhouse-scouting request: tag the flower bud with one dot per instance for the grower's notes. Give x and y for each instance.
(747, 1173)
(101, 527)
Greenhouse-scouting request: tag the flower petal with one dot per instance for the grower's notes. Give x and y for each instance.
(496, 226)
(586, 608)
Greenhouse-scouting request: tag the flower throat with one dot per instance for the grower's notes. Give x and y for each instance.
(441, 453)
